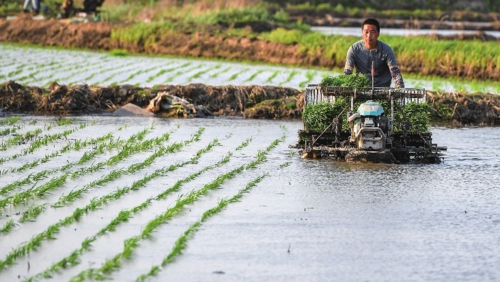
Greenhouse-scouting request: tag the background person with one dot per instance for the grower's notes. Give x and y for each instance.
(35, 5)
(370, 50)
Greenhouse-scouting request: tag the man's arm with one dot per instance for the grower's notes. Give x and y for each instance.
(394, 69)
(396, 76)
(349, 61)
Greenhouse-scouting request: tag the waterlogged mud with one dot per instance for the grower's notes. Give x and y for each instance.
(311, 220)
(268, 102)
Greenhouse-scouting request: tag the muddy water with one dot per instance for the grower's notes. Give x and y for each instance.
(330, 221)
(308, 220)
(355, 31)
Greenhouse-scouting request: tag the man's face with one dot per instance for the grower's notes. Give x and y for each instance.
(370, 35)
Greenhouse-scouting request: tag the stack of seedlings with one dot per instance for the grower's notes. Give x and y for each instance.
(319, 116)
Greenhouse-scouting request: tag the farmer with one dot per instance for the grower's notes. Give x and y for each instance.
(35, 5)
(370, 52)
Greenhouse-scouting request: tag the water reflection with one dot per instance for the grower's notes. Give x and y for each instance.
(356, 31)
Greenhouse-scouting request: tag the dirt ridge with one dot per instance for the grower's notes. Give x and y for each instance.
(257, 102)
(267, 102)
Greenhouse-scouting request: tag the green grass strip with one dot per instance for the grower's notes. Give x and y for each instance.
(7, 226)
(181, 243)
(42, 174)
(18, 139)
(132, 243)
(76, 146)
(220, 72)
(44, 141)
(33, 192)
(115, 174)
(32, 213)
(275, 74)
(125, 215)
(291, 75)
(10, 120)
(94, 204)
(235, 75)
(310, 75)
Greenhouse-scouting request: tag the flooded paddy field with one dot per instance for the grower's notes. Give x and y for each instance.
(41, 66)
(224, 199)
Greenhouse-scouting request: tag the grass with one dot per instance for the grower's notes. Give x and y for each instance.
(124, 215)
(270, 78)
(94, 204)
(132, 243)
(32, 213)
(77, 145)
(181, 243)
(289, 78)
(236, 74)
(254, 75)
(115, 174)
(10, 120)
(8, 226)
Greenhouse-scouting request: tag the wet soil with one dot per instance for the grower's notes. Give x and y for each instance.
(203, 42)
(267, 102)
(256, 102)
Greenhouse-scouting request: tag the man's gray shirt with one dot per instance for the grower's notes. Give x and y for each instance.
(385, 64)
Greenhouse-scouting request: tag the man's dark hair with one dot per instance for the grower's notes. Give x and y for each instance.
(371, 22)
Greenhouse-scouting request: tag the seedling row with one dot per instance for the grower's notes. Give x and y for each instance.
(149, 170)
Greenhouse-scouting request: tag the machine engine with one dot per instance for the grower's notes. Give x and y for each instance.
(369, 128)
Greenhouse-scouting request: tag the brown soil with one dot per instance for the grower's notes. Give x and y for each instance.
(265, 102)
(463, 109)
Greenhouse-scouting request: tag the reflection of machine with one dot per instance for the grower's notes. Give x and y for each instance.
(89, 6)
(371, 136)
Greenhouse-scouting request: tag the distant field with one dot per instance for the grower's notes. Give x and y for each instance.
(41, 66)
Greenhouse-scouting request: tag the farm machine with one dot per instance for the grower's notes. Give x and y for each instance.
(369, 133)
